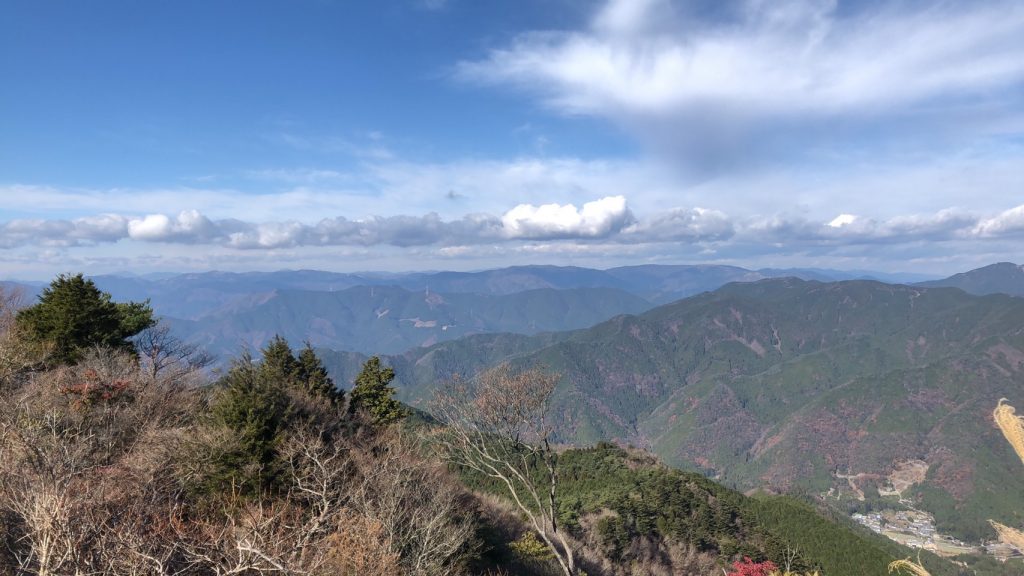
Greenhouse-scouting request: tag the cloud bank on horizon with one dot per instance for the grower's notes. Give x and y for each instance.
(795, 132)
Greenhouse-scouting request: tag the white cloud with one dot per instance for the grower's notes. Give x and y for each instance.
(189, 226)
(682, 224)
(784, 73)
(596, 219)
(842, 220)
(1009, 222)
(792, 56)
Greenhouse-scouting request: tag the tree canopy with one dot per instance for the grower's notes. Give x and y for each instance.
(73, 315)
(373, 393)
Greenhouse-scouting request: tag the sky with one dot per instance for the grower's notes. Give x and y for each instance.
(403, 135)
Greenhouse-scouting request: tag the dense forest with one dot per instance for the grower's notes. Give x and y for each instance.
(121, 452)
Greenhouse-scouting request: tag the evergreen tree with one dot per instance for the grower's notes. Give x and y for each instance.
(254, 406)
(372, 393)
(313, 377)
(279, 361)
(73, 314)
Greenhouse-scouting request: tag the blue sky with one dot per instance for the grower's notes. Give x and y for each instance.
(431, 134)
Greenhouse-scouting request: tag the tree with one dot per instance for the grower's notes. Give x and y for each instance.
(498, 425)
(164, 354)
(279, 361)
(304, 373)
(313, 377)
(372, 394)
(73, 315)
(255, 408)
(16, 355)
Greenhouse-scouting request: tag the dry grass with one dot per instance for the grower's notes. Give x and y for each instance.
(1011, 425)
(909, 566)
(1011, 536)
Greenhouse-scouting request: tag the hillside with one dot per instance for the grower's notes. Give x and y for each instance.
(1001, 278)
(789, 384)
(635, 514)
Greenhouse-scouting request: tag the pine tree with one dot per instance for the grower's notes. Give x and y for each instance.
(373, 394)
(279, 361)
(254, 406)
(313, 376)
(73, 314)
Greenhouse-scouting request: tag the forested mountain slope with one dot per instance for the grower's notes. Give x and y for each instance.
(790, 384)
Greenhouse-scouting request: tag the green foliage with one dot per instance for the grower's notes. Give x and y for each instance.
(628, 497)
(73, 315)
(831, 544)
(373, 394)
(312, 376)
(278, 360)
(529, 547)
(253, 406)
(305, 372)
(257, 404)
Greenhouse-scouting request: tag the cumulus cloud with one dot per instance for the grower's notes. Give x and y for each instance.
(189, 226)
(847, 229)
(786, 69)
(595, 219)
(1009, 222)
(604, 222)
(682, 224)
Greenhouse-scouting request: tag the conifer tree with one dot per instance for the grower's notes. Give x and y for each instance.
(279, 360)
(254, 406)
(73, 314)
(313, 376)
(372, 394)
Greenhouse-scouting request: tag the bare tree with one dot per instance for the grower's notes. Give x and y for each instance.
(419, 507)
(498, 425)
(85, 453)
(164, 354)
(16, 354)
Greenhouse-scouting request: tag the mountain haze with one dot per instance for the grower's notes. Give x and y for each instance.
(388, 319)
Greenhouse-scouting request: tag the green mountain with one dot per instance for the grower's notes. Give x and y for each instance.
(636, 516)
(390, 319)
(1001, 278)
(856, 387)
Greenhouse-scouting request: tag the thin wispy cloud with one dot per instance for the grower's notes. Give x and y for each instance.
(798, 72)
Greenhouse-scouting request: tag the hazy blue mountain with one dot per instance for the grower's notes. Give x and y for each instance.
(830, 275)
(388, 319)
(27, 292)
(195, 295)
(1001, 278)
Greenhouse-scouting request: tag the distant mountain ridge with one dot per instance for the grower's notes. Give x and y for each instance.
(787, 383)
(999, 278)
(389, 319)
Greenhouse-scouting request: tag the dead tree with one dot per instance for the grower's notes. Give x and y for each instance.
(163, 354)
(498, 425)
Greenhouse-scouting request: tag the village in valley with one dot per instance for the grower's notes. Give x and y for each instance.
(916, 529)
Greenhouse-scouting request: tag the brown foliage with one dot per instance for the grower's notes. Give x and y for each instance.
(498, 425)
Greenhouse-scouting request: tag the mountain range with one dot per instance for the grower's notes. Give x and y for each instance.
(857, 389)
